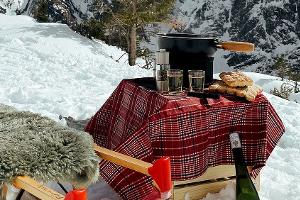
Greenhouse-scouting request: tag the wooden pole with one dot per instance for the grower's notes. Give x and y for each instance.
(237, 46)
(123, 160)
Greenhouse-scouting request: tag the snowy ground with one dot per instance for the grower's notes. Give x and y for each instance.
(48, 69)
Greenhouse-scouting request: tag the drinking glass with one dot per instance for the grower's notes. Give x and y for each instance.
(196, 80)
(175, 78)
(162, 84)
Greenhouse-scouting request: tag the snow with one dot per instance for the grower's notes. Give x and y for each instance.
(48, 69)
(227, 193)
(81, 5)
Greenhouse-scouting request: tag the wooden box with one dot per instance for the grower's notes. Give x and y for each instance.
(212, 181)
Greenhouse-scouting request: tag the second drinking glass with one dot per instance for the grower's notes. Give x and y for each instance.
(175, 78)
(196, 80)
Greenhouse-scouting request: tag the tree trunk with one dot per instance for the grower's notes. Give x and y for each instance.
(132, 46)
(132, 36)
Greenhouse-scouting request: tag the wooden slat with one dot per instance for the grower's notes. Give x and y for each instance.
(123, 160)
(257, 182)
(213, 173)
(37, 189)
(197, 192)
(212, 181)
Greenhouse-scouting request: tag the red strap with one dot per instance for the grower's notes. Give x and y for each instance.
(76, 195)
(161, 174)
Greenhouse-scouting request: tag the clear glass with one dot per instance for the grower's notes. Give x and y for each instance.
(161, 78)
(196, 80)
(175, 78)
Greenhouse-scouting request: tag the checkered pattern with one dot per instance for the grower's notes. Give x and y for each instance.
(193, 132)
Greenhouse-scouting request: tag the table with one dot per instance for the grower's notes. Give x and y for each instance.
(138, 121)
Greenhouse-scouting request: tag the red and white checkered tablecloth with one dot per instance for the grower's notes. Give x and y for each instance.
(193, 132)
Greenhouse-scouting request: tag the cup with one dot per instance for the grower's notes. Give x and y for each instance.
(175, 78)
(196, 80)
(161, 78)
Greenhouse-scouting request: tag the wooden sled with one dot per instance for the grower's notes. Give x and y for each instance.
(160, 171)
(212, 181)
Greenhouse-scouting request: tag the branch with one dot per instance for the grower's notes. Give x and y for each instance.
(120, 57)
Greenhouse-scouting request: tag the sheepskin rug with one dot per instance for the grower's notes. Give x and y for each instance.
(39, 147)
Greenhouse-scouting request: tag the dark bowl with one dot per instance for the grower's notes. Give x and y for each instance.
(187, 43)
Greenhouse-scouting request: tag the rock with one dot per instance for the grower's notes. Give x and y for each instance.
(76, 124)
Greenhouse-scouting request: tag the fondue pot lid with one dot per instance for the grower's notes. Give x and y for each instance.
(188, 43)
(194, 43)
(186, 36)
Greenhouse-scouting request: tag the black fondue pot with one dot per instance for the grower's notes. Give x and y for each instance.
(191, 51)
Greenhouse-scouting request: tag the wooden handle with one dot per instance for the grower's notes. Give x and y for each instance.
(37, 189)
(123, 160)
(236, 46)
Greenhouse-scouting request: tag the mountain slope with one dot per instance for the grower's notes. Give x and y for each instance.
(69, 12)
(273, 26)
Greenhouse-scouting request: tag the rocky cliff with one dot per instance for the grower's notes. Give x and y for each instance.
(68, 12)
(272, 25)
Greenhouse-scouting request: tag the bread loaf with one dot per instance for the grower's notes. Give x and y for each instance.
(249, 92)
(236, 79)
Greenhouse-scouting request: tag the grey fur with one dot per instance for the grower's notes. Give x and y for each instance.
(37, 146)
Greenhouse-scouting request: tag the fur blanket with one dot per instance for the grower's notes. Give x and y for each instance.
(39, 147)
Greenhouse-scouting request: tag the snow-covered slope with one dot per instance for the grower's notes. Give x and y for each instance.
(48, 69)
